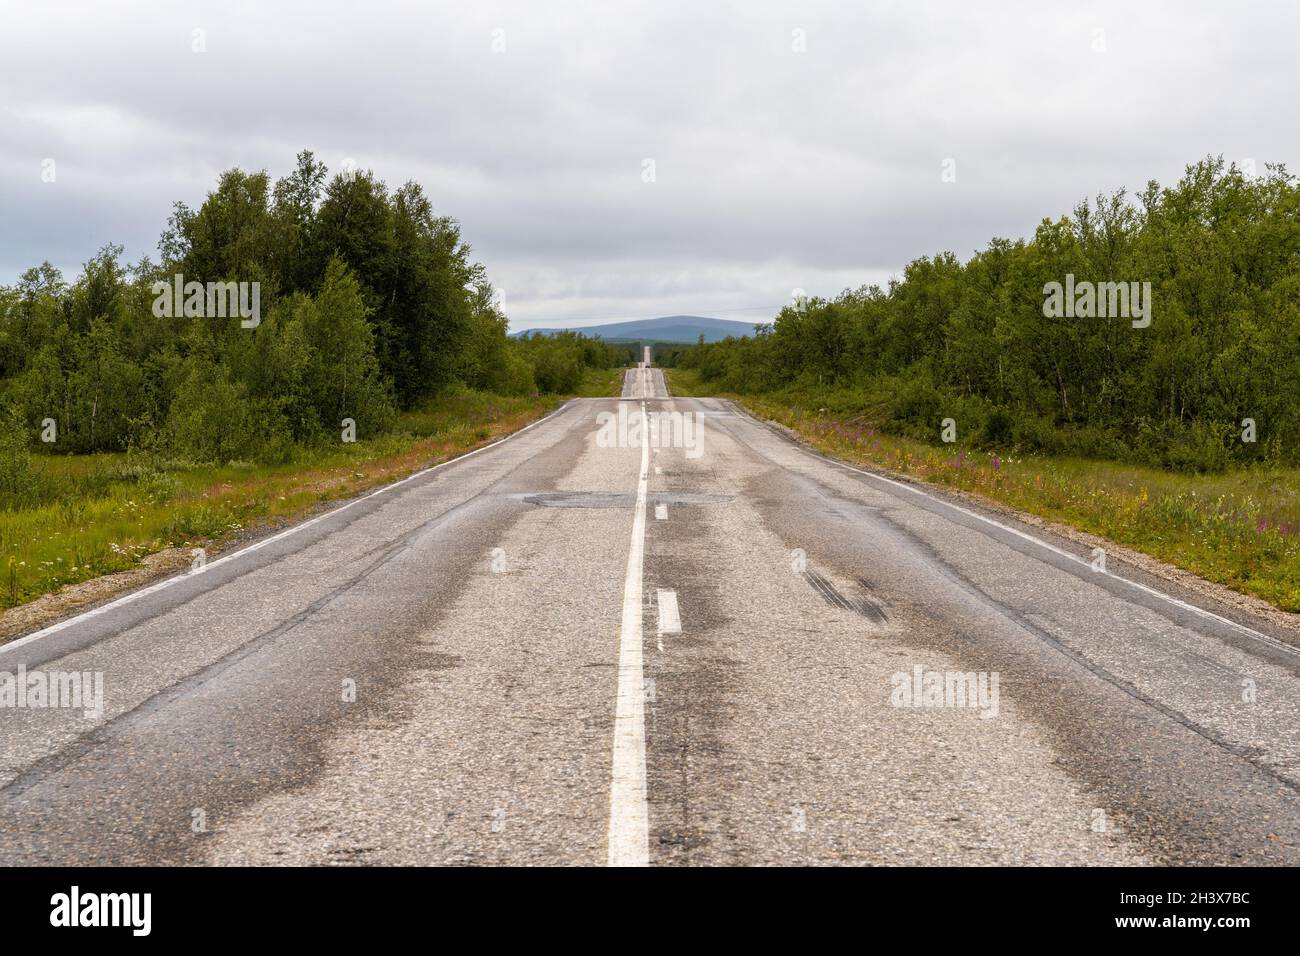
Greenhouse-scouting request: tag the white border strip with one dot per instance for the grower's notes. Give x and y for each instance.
(1218, 618)
(234, 555)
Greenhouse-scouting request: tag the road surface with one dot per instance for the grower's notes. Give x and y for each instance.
(689, 643)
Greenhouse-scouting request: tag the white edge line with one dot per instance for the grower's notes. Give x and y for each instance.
(1272, 642)
(184, 576)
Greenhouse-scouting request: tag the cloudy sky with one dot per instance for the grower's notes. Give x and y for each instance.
(794, 144)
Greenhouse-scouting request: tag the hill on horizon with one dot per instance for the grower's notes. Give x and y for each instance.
(666, 328)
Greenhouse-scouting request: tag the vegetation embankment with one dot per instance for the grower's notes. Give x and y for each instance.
(300, 340)
(1239, 528)
(1178, 437)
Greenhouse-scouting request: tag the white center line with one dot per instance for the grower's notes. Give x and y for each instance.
(661, 512)
(629, 830)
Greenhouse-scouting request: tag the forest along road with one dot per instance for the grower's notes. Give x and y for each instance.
(690, 643)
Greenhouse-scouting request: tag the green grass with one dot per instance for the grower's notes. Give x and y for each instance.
(91, 515)
(601, 383)
(102, 513)
(686, 383)
(1240, 529)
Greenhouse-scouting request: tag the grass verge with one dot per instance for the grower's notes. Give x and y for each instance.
(601, 383)
(1239, 529)
(110, 513)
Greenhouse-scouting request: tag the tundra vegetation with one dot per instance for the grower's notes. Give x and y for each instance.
(124, 431)
(1180, 437)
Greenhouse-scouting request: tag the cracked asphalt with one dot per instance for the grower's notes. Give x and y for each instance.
(431, 675)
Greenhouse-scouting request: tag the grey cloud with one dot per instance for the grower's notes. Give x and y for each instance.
(820, 169)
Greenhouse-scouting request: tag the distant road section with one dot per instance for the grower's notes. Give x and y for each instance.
(644, 383)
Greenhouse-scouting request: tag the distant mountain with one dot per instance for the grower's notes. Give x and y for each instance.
(668, 328)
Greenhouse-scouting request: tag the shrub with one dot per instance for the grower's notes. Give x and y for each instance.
(18, 484)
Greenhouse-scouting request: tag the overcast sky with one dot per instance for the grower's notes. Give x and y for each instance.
(795, 145)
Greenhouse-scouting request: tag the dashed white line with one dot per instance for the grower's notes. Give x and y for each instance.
(670, 619)
(661, 512)
(629, 831)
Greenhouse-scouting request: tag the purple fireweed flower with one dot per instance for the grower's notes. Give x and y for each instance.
(997, 462)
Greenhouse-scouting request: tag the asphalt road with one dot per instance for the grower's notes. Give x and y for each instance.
(692, 643)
